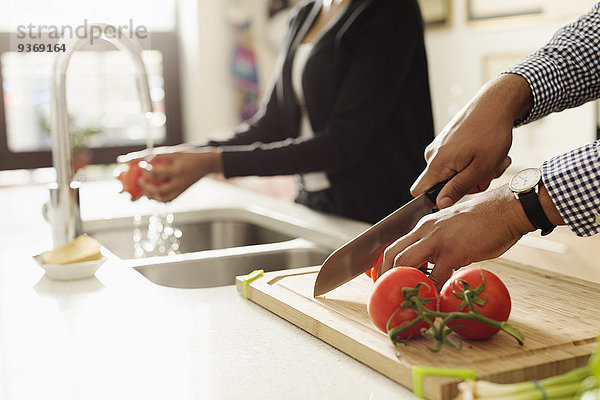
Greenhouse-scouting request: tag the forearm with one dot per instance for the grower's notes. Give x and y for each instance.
(514, 214)
(211, 158)
(508, 96)
(216, 160)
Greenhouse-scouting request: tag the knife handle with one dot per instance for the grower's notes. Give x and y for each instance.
(435, 190)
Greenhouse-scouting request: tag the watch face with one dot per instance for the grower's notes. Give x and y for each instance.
(525, 180)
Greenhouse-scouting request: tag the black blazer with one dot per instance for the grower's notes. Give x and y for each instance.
(367, 95)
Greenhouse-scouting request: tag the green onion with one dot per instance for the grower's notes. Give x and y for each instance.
(565, 386)
(579, 384)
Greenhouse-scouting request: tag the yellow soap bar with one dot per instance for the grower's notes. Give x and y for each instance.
(82, 248)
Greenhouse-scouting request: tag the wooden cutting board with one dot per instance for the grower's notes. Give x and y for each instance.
(559, 316)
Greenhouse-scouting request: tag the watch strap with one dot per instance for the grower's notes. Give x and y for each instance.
(534, 211)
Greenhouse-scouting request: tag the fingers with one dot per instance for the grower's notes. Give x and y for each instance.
(420, 185)
(503, 167)
(161, 167)
(468, 181)
(159, 181)
(134, 156)
(164, 192)
(461, 184)
(420, 246)
(408, 251)
(414, 255)
(149, 154)
(440, 274)
(484, 185)
(430, 150)
(431, 175)
(390, 253)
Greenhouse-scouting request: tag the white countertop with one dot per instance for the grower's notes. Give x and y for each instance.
(119, 336)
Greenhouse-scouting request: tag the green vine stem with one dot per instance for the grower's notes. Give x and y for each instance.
(439, 333)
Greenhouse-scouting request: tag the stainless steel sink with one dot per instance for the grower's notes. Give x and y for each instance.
(215, 246)
(198, 231)
(219, 268)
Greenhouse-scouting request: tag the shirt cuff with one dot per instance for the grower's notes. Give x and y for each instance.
(572, 181)
(542, 75)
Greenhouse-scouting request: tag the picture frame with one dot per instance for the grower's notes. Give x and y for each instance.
(479, 10)
(436, 13)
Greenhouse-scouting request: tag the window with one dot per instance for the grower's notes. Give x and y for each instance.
(102, 97)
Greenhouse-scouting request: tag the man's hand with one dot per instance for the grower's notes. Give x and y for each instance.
(475, 230)
(473, 147)
(479, 229)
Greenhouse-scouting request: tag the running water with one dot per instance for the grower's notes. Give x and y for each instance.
(155, 235)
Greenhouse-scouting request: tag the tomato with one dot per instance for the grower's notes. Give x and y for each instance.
(387, 297)
(159, 162)
(131, 175)
(495, 294)
(129, 178)
(372, 273)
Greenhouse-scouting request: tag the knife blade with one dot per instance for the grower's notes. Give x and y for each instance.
(360, 253)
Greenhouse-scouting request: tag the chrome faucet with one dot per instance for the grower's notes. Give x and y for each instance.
(63, 209)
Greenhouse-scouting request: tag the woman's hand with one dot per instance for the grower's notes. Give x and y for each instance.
(475, 230)
(473, 147)
(171, 170)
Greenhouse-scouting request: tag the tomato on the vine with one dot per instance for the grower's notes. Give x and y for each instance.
(387, 297)
(495, 296)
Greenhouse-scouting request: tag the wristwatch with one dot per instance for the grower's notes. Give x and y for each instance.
(525, 185)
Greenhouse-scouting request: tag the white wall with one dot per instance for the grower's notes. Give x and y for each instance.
(462, 56)
(205, 40)
(206, 50)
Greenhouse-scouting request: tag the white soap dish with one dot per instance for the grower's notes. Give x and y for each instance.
(73, 271)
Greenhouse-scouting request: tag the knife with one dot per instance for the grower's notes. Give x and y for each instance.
(359, 254)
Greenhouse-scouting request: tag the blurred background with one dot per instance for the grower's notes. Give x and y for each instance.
(210, 62)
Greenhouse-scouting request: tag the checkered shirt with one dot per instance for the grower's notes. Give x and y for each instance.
(563, 74)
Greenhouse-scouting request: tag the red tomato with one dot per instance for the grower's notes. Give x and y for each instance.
(159, 162)
(372, 273)
(495, 294)
(132, 174)
(387, 297)
(129, 178)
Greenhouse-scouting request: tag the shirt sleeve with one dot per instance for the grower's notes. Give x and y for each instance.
(573, 183)
(264, 126)
(566, 72)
